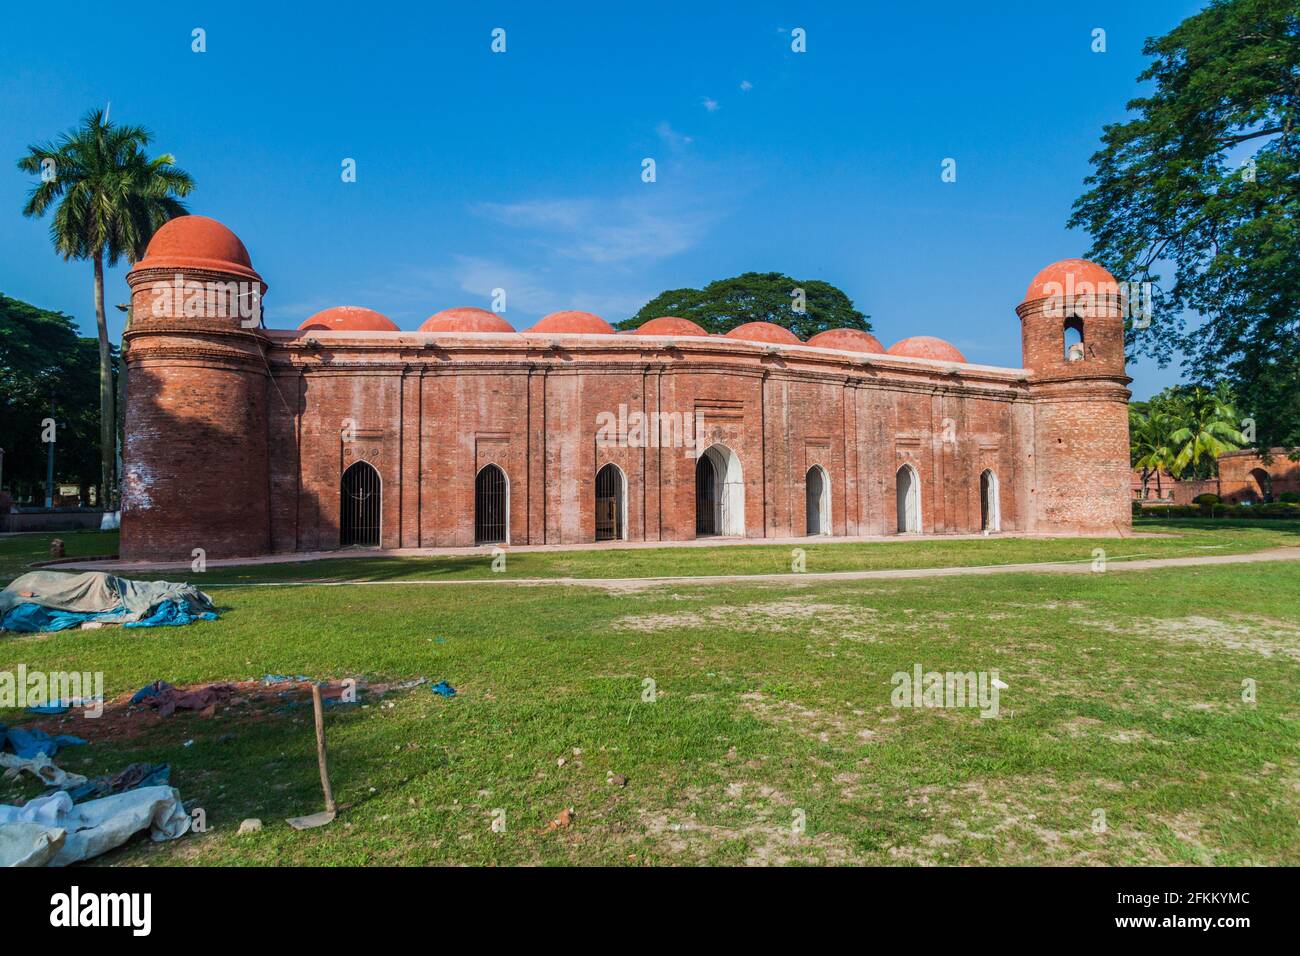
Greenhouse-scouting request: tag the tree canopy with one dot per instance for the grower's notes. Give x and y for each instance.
(1203, 183)
(757, 297)
(46, 371)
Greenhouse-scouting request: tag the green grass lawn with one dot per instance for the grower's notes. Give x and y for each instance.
(772, 704)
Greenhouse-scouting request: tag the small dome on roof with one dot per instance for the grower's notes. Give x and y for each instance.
(927, 347)
(1068, 274)
(466, 319)
(197, 242)
(584, 323)
(670, 325)
(764, 332)
(348, 318)
(847, 340)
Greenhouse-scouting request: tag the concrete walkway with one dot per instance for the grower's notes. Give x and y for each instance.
(114, 565)
(623, 585)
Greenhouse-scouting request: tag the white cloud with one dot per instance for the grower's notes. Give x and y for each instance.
(531, 293)
(711, 105)
(608, 231)
(675, 140)
(746, 85)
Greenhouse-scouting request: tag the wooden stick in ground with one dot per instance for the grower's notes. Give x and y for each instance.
(320, 750)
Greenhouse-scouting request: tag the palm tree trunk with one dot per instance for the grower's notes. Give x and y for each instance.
(107, 417)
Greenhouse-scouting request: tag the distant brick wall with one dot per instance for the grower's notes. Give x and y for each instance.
(1245, 476)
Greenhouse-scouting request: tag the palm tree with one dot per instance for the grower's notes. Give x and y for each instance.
(110, 198)
(1151, 446)
(1208, 429)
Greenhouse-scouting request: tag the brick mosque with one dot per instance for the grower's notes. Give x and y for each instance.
(245, 440)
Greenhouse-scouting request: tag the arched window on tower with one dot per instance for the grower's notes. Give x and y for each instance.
(1074, 339)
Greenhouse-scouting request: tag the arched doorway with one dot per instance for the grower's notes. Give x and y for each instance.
(611, 504)
(719, 493)
(491, 506)
(359, 506)
(706, 484)
(1261, 484)
(817, 505)
(990, 502)
(908, 490)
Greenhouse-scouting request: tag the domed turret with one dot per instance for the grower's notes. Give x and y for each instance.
(195, 461)
(1072, 338)
(1072, 322)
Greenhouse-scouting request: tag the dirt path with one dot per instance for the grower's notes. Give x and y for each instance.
(1084, 566)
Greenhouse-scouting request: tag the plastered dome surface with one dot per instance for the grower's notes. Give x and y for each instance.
(197, 242)
(466, 319)
(348, 318)
(763, 332)
(1068, 274)
(573, 322)
(927, 347)
(670, 325)
(847, 340)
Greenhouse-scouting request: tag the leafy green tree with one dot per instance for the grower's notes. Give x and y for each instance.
(1204, 181)
(109, 198)
(46, 371)
(757, 297)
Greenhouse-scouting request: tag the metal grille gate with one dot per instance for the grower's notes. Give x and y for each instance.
(609, 504)
(705, 497)
(359, 506)
(490, 506)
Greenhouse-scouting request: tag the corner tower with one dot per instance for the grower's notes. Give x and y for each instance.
(1072, 338)
(195, 472)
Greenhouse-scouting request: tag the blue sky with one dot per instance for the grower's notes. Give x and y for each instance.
(522, 170)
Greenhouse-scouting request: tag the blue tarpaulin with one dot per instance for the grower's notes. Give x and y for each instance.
(172, 614)
(56, 601)
(28, 743)
(30, 618)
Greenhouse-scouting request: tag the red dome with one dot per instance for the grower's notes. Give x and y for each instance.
(847, 340)
(670, 325)
(197, 242)
(466, 319)
(927, 347)
(764, 332)
(348, 318)
(584, 323)
(1068, 274)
